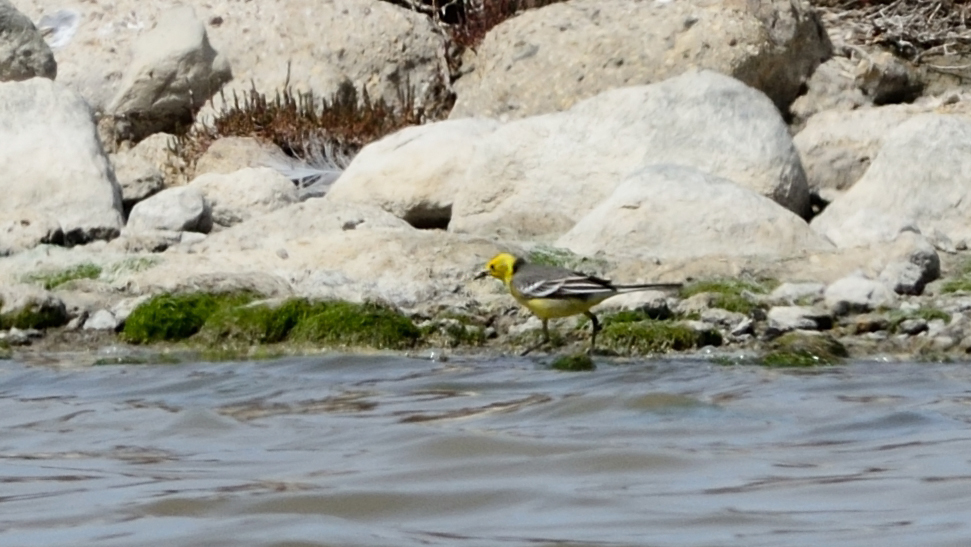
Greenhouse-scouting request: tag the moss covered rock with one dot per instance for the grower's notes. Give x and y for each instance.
(644, 337)
(27, 307)
(577, 362)
(169, 317)
(799, 349)
(348, 324)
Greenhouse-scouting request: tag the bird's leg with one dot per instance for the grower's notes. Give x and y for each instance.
(541, 343)
(594, 329)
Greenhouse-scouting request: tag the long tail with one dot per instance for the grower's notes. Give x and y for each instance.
(648, 287)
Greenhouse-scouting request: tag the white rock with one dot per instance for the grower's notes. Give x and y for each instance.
(790, 293)
(832, 87)
(918, 180)
(54, 169)
(546, 59)
(836, 147)
(101, 320)
(181, 208)
(23, 52)
(415, 173)
(173, 72)
(782, 319)
(678, 212)
(535, 178)
(372, 43)
(855, 294)
(914, 264)
(723, 318)
(239, 196)
(123, 308)
(230, 154)
(137, 177)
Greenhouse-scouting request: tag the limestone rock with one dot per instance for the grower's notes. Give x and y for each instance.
(181, 208)
(415, 173)
(161, 151)
(28, 229)
(174, 71)
(402, 265)
(915, 263)
(535, 178)
(792, 293)
(832, 87)
(836, 147)
(374, 44)
(236, 197)
(725, 319)
(23, 52)
(290, 225)
(137, 177)
(547, 59)
(101, 320)
(782, 319)
(918, 180)
(54, 169)
(912, 326)
(145, 240)
(230, 154)
(676, 212)
(886, 78)
(856, 294)
(869, 322)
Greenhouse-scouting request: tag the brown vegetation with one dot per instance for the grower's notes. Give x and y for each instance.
(911, 28)
(297, 121)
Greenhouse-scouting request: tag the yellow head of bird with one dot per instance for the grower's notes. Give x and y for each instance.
(502, 266)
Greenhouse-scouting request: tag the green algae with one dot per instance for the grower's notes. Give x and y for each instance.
(34, 316)
(174, 317)
(796, 349)
(349, 324)
(577, 362)
(228, 323)
(927, 313)
(55, 278)
(645, 337)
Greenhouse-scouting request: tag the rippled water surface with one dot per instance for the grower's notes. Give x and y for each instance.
(352, 450)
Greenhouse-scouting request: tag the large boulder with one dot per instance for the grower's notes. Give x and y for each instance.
(670, 211)
(297, 223)
(54, 170)
(317, 43)
(178, 209)
(23, 52)
(321, 249)
(174, 71)
(919, 180)
(415, 173)
(836, 147)
(547, 59)
(536, 177)
(239, 196)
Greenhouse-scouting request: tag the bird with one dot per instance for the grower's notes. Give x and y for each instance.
(551, 292)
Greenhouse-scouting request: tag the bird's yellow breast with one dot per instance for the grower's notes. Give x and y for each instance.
(552, 308)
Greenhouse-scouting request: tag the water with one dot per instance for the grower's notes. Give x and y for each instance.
(387, 451)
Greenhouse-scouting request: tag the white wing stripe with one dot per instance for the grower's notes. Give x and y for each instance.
(567, 286)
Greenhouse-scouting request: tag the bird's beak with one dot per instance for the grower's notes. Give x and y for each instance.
(481, 275)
